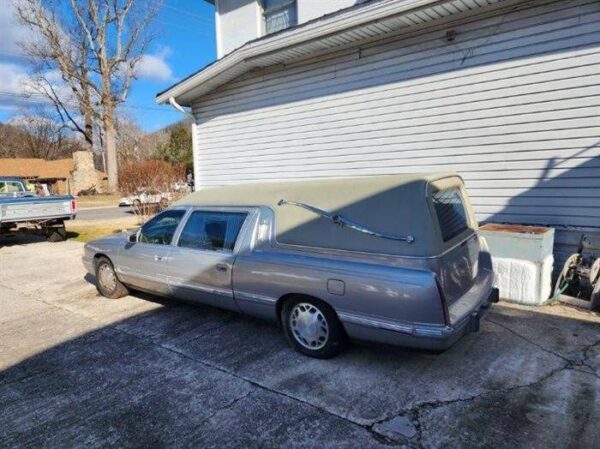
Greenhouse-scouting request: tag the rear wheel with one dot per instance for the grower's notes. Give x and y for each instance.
(56, 233)
(107, 282)
(312, 327)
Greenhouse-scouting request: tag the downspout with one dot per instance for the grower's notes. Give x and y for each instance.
(179, 108)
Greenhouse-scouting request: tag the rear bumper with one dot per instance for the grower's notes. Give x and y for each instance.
(465, 315)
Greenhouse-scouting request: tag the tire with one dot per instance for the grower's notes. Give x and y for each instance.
(107, 282)
(325, 338)
(571, 261)
(57, 234)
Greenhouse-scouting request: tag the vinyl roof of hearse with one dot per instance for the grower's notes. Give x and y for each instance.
(391, 204)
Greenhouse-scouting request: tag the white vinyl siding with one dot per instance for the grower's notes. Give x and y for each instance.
(513, 105)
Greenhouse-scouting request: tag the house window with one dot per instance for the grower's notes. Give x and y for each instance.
(279, 15)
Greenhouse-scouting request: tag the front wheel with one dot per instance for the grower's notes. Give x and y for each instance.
(312, 328)
(107, 283)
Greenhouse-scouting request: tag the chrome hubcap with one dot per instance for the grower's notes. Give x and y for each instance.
(309, 326)
(106, 277)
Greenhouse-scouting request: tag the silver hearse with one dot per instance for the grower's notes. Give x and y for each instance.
(391, 259)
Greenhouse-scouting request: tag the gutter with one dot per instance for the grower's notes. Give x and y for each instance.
(194, 131)
(178, 108)
(317, 29)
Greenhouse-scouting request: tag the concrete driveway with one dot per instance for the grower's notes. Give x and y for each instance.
(77, 370)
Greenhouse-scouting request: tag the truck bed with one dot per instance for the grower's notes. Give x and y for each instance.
(36, 209)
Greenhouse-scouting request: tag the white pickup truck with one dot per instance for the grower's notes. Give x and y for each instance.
(21, 208)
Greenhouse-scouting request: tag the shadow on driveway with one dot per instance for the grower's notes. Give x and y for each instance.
(180, 375)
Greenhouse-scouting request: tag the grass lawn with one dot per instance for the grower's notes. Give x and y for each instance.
(98, 200)
(88, 233)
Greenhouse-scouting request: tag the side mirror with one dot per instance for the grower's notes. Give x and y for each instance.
(132, 238)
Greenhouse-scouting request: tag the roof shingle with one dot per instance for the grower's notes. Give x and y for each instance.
(37, 168)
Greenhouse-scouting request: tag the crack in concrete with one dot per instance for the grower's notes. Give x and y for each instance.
(415, 412)
(528, 340)
(232, 403)
(587, 355)
(570, 361)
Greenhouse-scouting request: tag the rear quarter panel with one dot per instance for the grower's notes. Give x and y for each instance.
(370, 291)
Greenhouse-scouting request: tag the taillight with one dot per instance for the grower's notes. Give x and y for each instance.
(444, 302)
(73, 206)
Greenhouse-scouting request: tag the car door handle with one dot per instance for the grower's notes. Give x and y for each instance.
(221, 267)
(161, 258)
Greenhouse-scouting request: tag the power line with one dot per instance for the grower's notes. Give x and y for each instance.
(184, 28)
(30, 98)
(188, 14)
(183, 12)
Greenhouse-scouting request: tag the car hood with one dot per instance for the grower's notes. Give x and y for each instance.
(109, 241)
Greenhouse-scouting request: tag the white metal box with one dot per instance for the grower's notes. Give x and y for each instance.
(523, 261)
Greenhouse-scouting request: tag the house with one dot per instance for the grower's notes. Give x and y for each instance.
(505, 92)
(62, 176)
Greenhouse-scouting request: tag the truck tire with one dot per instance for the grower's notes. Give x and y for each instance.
(107, 282)
(57, 234)
(312, 327)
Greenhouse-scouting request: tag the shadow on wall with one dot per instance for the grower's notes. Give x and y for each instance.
(565, 196)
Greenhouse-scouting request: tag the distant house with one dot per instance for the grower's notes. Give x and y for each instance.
(505, 92)
(62, 176)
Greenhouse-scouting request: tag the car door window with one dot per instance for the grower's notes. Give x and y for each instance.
(160, 229)
(213, 231)
(14, 187)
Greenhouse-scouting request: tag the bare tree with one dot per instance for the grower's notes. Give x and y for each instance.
(133, 143)
(36, 133)
(43, 137)
(95, 45)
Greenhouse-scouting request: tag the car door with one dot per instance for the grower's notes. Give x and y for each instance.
(201, 262)
(144, 264)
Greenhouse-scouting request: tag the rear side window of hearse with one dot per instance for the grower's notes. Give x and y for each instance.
(212, 231)
(451, 213)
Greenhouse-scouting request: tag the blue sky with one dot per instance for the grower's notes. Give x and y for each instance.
(185, 43)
